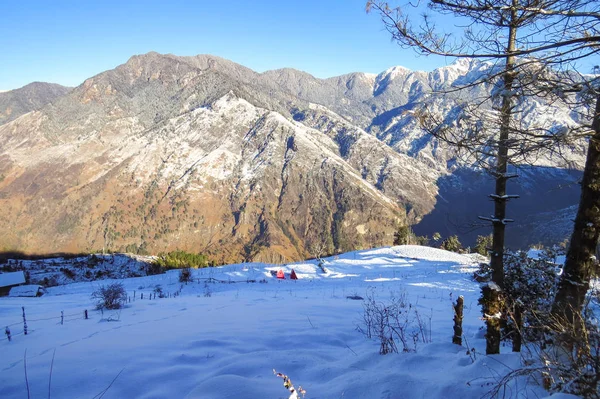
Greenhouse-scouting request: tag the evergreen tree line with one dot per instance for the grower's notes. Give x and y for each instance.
(180, 260)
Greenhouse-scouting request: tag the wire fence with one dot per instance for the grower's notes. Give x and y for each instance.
(24, 326)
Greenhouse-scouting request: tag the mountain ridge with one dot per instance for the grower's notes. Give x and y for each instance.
(203, 154)
(35, 95)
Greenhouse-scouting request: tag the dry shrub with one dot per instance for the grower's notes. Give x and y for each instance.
(110, 297)
(566, 359)
(396, 321)
(185, 275)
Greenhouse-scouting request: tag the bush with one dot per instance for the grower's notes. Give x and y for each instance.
(567, 360)
(573, 361)
(49, 282)
(68, 272)
(422, 240)
(405, 236)
(159, 291)
(526, 299)
(452, 244)
(393, 323)
(402, 235)
(181, 259)
(482, 244)
(185, 275)
(529, 284)
(110, 297)
(154, 268)
(562, 356)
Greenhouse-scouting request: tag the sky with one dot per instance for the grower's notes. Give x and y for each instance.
(67, 42)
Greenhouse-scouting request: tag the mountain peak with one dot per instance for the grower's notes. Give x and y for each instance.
(35, 95)
(38, 86)
(464, 66)
(395, 71)
(145, 57)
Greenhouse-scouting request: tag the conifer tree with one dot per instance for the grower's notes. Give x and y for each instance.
(526, 40)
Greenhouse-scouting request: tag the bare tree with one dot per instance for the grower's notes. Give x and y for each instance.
(523, 39)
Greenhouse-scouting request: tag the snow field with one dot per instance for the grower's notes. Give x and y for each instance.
(226, 345)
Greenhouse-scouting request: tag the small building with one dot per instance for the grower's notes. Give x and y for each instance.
(10, 280)
(30, 290)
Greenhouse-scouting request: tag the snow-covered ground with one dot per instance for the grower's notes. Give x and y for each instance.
(223, 340)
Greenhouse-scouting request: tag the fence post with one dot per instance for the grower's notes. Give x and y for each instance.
(85, 314)
(62, 317)
(24, 321)
(133, 295)
(142, 297)
(7, 332)
(458, 319)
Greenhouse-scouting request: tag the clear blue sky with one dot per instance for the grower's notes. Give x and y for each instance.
(67, 42)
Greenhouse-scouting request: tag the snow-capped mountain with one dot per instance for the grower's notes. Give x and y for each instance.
(203, 154)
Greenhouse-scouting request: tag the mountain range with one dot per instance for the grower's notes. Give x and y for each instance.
(205, 155)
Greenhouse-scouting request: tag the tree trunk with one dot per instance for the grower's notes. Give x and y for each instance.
(517, 338)
(492, 313)
(499, 223)
(579, 265)
(458, 320)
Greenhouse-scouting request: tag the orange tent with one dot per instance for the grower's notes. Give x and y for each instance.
(280, 274)
(293, 275)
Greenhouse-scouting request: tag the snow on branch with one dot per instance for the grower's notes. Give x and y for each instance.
(505, 175)
(503, 197)
(495, 220)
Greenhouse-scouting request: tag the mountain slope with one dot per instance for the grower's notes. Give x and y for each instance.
(15, 103)
(223, 340)
(158, 154)
(203, 154)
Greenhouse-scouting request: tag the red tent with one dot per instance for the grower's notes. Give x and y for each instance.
(280, 274)
(293, 275)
